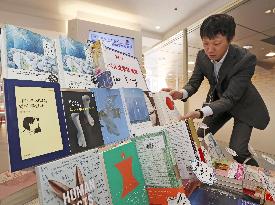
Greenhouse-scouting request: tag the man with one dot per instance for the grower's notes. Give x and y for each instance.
(228, 69)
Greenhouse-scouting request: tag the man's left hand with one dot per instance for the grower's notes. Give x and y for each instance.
(191, 115)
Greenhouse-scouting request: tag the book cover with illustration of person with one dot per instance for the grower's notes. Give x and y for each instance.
(35, 122)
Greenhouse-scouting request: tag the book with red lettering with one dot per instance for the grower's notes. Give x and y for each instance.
(115, 69)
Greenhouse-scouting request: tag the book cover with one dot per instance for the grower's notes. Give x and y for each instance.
(195, 140)
(112, 116)
(157, 161)
(124, 175)
(75, 64)
(77, 179)
(135, 105)
(162, 196)
(137, 114)
(213, 148)
(182, 148)
(35, 123)
(166, 109)
(28, 56)
(82, 120)
(122, 70)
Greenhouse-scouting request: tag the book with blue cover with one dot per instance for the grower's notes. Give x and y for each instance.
(35, 123)
(135, 105)
(112, 115)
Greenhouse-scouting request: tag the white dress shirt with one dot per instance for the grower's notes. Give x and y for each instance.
(207, 111)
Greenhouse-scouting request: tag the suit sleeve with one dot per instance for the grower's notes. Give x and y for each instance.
(237, 85)
(195, 81)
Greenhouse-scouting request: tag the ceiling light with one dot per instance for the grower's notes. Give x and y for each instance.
(270, 54)
(157, 27)
(191, 62)
(190, 71)
(248, 47)
(268, 11)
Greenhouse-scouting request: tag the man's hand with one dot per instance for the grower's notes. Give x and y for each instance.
(192, 115)
(176, 95)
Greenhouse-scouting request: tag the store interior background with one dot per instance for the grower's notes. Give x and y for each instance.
(165, 58)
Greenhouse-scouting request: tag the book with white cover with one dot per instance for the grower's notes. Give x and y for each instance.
(180, 141)
(166, 109)
(213, 148)
(77, 179)
(115, 69)
(157, 161)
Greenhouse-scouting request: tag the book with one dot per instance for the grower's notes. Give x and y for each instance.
(27, 55)
(181, 144)
(75, 64)
(213, 148)
(137, 115)
(166, 109)
(18, 187)
(76, 179)
(196, 145)
(245, 202)
(35, 123)
(115, 69)
(82, 120)
(157, 161)
(124, 174)
(112, 115)
(161, 195)
(125, 107)
(229, 169)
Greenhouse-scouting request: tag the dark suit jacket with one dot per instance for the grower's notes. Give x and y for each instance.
(234, 91)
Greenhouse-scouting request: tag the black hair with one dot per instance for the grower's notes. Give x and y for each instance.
(213, 25)
(30, 120)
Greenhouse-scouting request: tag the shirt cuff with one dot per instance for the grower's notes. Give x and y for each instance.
(207, 111)
(184, 94)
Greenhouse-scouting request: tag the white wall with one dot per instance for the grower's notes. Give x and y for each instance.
(45, 26)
